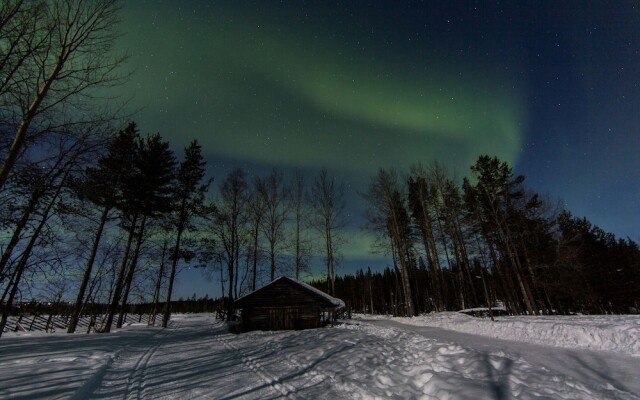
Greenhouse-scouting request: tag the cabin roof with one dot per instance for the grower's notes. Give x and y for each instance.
(321, 296)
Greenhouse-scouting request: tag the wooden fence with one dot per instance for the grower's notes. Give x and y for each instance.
(51, 323)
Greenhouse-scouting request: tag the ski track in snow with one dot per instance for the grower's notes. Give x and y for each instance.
(196, 358)
(254, 365)
(137, 377)
(126, 373)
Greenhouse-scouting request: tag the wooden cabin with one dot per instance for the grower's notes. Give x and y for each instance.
(286, 304)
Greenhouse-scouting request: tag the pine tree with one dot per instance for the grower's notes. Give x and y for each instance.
(102, 186)
(496, 189)
(146, 191)
(388, 217)
(420, 204)
(189, 198)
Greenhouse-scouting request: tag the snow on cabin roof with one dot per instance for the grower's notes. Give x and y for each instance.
(334, 300)
(338, 303)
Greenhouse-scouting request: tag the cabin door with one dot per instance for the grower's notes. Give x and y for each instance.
(291, 317)
(283, 318)
(276, 319)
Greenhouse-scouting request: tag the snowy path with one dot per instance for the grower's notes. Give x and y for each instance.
(617, 375)
(188, 361)
(197, 359)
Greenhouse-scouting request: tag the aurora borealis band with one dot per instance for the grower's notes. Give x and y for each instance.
(252, 88)
(353, 86)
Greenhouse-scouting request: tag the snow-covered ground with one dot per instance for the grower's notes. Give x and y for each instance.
(360, 359)
(612, 333)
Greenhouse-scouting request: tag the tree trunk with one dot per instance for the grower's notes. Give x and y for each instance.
(22, 265)
(255, 255)
(174, 265)
(437, 280)
(9, 303)
(87, 272)
(21, 132)
(156, 292)
(330, 275)
(404, 267)
(298, 249)
(236, 258)
(120, 280)
(130, 273)
(17, 232)
(272, 258)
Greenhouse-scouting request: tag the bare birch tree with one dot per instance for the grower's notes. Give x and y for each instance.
(256, 216)
(53, 56)
(230, 216)
(274, 194)
(299, 207)
(327, 201)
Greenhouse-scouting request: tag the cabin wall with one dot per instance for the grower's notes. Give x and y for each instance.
(280, 318)
(281, 307)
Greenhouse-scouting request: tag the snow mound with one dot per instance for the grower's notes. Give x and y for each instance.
(612, 333)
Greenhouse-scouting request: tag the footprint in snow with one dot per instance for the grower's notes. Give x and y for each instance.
(451, 349)
(422, 379)
(384, 381)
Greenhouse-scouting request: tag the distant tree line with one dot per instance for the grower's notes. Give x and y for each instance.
(488, 240)
(193, 304)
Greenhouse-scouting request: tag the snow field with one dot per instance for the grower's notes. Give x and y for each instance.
(196, 358)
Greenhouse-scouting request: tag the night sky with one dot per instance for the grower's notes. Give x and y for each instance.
(551, 87)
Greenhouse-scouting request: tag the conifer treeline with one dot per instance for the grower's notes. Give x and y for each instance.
(489, 240)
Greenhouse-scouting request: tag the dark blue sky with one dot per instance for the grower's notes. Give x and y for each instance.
(551, 87)
(583, 134)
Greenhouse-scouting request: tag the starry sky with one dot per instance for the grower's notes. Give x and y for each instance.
(352, 86)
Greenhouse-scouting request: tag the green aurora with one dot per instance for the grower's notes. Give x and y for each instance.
(252, 90)
(355, 86)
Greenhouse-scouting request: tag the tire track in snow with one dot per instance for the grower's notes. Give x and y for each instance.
(275, 383)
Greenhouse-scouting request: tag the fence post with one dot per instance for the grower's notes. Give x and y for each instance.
(32, 322)
(18, 323)
(92, 322)
(46, 328)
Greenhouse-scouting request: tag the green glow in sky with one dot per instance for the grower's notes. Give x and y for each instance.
(358, 86)
(251, 90)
